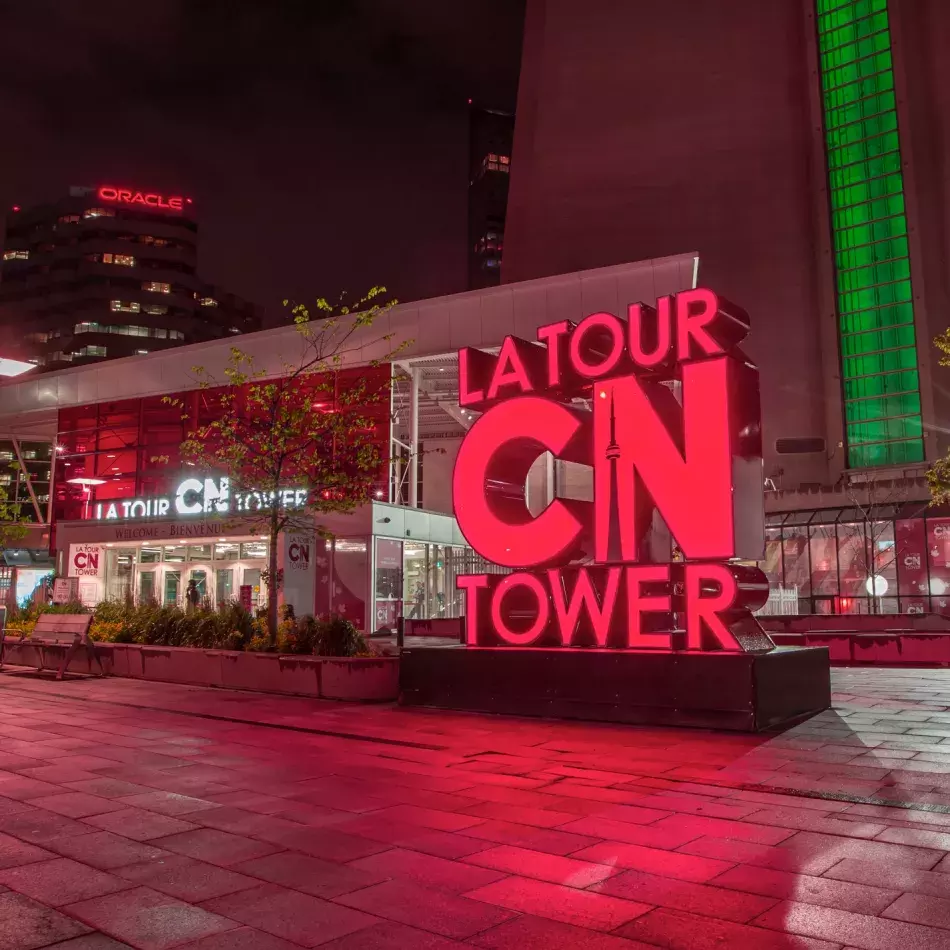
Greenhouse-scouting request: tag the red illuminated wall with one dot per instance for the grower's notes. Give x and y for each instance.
(124, 442)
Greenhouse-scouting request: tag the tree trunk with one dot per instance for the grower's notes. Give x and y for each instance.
(272, 585)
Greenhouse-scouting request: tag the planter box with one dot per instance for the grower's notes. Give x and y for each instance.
(876, 648)
(182, 665)
(839, 645)
(271, 673)
(360, 678)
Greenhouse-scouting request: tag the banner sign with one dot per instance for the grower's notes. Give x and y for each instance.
(664, 408)
(86, 560)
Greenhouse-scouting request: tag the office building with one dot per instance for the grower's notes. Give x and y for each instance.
(107, 272)
(490, 140)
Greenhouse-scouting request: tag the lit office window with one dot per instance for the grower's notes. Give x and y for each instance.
(125, 306)
(16, 255)
(157, 287)
(208, 302)
(90, 351)
(154, 309)
(126, 260)
(98, 213)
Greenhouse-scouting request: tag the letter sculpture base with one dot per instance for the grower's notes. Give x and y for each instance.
(744, 692)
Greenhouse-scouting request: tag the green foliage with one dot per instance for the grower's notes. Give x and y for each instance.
(336, 636)
(12, 526)
(230, 627)
(307, 427)
(938, 477)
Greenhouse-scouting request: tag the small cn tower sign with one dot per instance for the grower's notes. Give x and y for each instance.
(664, 408)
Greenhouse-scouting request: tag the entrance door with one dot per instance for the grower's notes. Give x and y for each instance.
(224, 584)
(147, 587)
(200, 577)
(172, 587)
(252, 577)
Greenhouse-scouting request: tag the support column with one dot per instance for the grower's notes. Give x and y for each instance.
(414, 375)
(29, 483)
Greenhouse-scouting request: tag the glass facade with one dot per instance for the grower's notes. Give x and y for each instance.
(890, 559)
(869, 225)
(416, 579)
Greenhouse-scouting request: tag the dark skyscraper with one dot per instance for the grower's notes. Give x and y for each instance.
(490, 138)
(108, 272)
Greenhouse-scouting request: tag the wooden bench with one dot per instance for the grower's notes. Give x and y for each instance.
(69, 631)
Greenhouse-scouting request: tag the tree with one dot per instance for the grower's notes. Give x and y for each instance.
(313, 427)
(938, 476)
(873, 552)
(12, 526)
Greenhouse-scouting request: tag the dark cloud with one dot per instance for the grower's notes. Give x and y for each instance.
(324, 141)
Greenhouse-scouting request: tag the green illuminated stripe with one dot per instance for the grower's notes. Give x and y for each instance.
(872, 260)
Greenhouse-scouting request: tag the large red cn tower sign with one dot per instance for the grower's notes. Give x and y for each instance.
(665, 410)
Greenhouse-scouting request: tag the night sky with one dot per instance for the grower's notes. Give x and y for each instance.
(324, 141)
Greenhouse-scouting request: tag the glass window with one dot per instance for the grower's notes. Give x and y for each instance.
(150, 555)
(415, 560)
(388, 583)
(252, 579)
(911, 545)
(824, 559)
(226, 551)
(853, 560)
(119, 565)
(199, 552)
(147, 587)
(16, 255)
(157, 286)
(207, 302)
(98, 213)
(224, 585)
(795, 559)
(174, 552)
(254, 549)
(123, 306)
(200, 577)
(172, 588)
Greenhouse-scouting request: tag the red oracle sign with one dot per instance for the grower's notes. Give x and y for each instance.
(664, 408)
(149, 199)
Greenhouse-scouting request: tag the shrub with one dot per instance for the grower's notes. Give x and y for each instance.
(336, 636)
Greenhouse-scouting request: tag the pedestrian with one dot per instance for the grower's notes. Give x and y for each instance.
(192, 595)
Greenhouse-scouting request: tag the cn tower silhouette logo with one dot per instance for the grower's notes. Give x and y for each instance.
(598, 393)
(612, 455)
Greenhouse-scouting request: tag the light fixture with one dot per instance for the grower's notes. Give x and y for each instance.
(85, 482)
(263, 537)
(60, 448)
(222, 539)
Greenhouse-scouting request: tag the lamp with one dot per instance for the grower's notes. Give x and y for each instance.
(87, 484)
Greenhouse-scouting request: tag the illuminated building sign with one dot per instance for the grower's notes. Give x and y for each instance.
(664, 409)
(201, 496)
(149, 199)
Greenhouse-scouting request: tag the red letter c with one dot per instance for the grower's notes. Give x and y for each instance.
(489, 483)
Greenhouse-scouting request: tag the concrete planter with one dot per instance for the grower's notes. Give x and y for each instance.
(271, 673)
(368, 679)
(360, 678)
(181, 665)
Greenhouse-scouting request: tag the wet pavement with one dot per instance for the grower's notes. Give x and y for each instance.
(148, 815)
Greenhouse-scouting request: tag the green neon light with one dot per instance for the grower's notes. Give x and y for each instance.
(869, 225)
